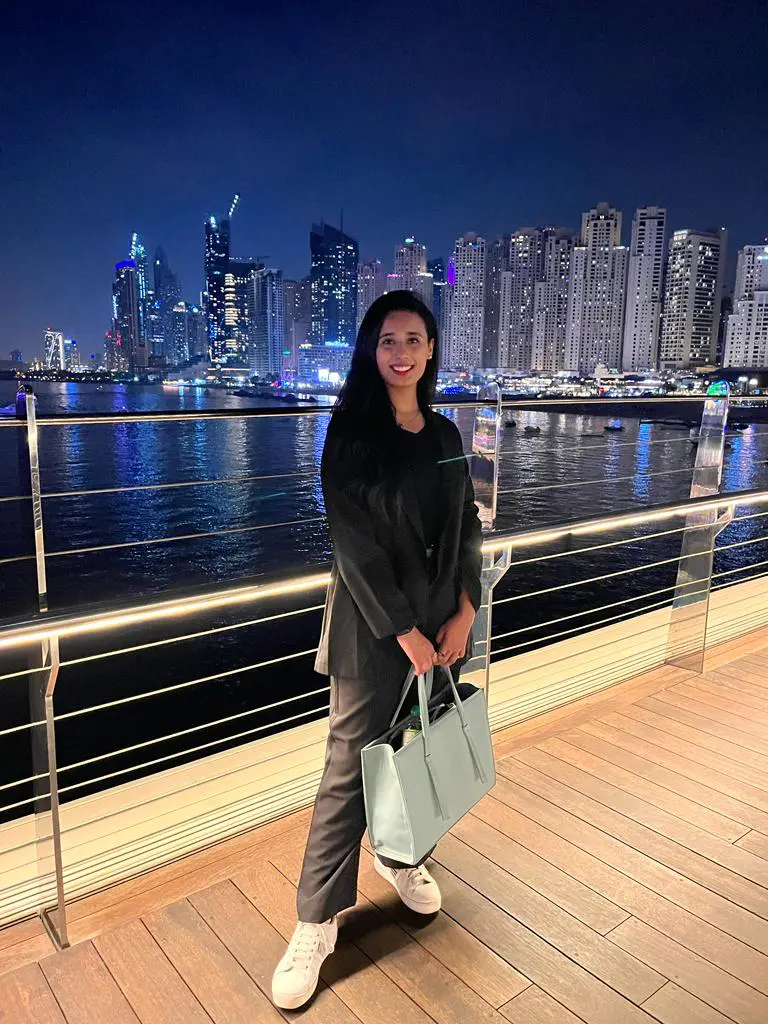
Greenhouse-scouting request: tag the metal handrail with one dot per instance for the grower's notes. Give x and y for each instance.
(88, 419)
(21, 634)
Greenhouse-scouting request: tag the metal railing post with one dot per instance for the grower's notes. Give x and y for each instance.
(42, 685)
(486, 444)
(687, 640)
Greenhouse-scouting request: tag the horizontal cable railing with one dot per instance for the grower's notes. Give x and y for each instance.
(66, 626)
(140, 756)
(508, 403)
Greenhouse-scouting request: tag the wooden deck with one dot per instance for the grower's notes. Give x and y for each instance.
(618, 873)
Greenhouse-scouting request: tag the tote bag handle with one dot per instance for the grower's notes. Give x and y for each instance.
(424, 684)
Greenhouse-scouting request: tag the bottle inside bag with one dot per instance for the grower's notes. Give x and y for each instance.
(414, 728)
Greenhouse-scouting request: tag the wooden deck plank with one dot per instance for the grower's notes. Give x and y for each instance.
(738, 685)
(742, 764)
(165, 885)
(534, 1006)
(440, 993)
(756, 716)
(216, 979)
(708, 719)
(756, 843)
(30, 951)
(430, 984)
(734, 870)
(585, 995)
(598, 759)
(673, 1005)
(588, 827)
(736, 688)
(24, 931)
(702, 979)
(645, 763)
(570, 716)
(358, 982)
(563, 889)
(583, 945)
(755, 663)
(736, 648)
(727, 793)
(257, 947)
(132, 956)
(478, 966)
(26, 998)
(752, 669)
(84, 989)
(626, 843)
(686, 912)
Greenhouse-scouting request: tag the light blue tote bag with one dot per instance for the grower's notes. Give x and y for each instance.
(416, 792)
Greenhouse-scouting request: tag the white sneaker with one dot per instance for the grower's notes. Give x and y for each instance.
(295, 978)
(415, 886)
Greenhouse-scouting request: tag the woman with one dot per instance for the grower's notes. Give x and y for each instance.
(404, 591)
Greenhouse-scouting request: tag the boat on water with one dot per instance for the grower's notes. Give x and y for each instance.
(614, 427)
(509, 422)
(532, 430)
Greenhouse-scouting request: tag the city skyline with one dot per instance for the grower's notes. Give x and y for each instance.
(622, 107)
(540, 298)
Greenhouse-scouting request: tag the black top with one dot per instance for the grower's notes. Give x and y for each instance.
(422, 457)
(379, 583)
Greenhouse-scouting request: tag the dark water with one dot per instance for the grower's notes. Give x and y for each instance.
(615, 472)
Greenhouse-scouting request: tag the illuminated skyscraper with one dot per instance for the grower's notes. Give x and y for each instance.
(464, 341)
(165, 297)
(54, 350)
(71, 354)
(197, 332)
(239, 316)
(644, 289)
(525, 267)
(217, 240)
(333, 279)
(370, 285)
(692, 294)
(550, 303)
(436, 268)
(297, 314)
(746, 343)
(139, 256)
(597, 293)
(496, 263)
(411, 271)
(268, 323)
(125, 317)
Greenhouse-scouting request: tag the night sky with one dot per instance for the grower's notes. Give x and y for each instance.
(429, 120)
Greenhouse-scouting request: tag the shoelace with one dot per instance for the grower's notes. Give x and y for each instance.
(304, 945)
(418, 876)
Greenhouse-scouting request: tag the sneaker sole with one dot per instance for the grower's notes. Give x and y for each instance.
(427, 909)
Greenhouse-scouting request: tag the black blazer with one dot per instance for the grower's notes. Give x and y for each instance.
(380, 583)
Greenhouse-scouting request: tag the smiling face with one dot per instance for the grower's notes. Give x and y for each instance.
(403, 349)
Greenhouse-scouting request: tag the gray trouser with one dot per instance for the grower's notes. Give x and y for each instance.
(361, 711)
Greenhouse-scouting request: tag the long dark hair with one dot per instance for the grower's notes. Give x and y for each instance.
(363, 428)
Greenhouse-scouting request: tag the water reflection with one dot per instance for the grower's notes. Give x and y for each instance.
(539, 471)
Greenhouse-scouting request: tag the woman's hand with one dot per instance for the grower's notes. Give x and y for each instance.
(420, 651)
(453, 635)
